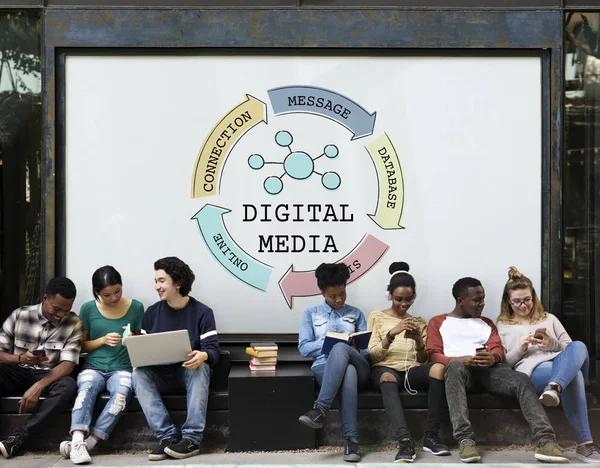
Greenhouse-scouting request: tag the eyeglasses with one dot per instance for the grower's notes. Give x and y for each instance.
(518, 303)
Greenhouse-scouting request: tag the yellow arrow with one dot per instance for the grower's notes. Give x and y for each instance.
(220, 141)
(390, 200)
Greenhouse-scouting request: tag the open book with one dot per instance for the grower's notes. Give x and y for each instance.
(360, 339)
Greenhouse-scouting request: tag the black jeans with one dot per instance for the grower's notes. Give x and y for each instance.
(418, 379)
(499, 380)
(59, 396)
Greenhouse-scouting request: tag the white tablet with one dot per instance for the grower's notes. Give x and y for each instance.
(159, 348)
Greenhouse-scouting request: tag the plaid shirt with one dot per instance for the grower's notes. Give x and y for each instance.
(27, 328)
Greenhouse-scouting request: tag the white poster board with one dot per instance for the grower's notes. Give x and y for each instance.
(256, 169)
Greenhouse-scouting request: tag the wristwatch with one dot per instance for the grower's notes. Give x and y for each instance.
(389, 337)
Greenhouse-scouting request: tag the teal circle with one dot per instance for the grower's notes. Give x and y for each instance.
(331, 151)
(283, 138)
(331, 180)
(298, 165)
(256, 161)
(273, 185)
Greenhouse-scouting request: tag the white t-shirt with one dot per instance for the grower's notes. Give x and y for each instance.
(462, 336)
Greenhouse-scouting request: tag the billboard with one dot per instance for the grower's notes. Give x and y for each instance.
(256, 169)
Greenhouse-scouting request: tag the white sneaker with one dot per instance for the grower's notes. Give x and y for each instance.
(65, 448)
(79, 453)
(550, 396)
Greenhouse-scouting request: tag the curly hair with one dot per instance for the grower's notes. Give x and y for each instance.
(331, 274)
(517, 280)
(179, 272)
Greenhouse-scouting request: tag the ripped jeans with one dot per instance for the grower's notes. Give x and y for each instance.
(92, 382)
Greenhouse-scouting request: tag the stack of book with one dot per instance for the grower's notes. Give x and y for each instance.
(264, 356)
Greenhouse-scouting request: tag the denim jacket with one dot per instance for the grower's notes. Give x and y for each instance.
(320, 319)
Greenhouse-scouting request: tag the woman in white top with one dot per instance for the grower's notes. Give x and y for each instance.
(538, 345)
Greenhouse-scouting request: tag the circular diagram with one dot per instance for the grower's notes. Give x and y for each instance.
(297, 166)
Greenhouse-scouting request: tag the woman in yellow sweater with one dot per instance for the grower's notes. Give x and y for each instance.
(399, 358)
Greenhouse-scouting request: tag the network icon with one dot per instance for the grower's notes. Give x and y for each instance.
(297, 164)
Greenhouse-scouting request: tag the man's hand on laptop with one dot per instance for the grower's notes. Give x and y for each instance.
(197, 358)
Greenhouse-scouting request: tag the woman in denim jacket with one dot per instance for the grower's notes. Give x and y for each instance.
(344, 368)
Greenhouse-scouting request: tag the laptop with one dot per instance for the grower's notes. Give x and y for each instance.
(159, 348)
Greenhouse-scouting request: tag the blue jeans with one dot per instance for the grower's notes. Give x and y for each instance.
(90, 383)
(149, 382)
(569, 369)
(341, 375)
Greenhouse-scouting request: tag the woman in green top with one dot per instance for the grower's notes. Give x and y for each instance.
(107, 366)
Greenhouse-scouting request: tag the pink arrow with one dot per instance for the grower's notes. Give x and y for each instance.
(303, 283)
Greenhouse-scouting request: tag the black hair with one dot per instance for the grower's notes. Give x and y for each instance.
(61, 285)
(179, 272)
(331, 274)
(103, 277)
(462, 285)
(401, 279)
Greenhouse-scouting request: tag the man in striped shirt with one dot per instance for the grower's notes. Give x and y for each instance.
(39, 347)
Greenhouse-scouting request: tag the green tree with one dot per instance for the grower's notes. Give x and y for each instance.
(20, 156)
(19, 47)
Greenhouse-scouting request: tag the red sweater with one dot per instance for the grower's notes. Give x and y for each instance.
(435, 342)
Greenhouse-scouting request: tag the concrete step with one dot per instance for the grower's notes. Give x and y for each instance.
(502, 428)
(373, 457)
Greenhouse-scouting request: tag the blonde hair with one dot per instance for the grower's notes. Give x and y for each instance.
(517, 280)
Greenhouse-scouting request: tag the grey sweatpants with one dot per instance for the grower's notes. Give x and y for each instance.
(499, 380)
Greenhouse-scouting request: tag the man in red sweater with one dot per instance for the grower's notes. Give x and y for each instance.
(470, 348)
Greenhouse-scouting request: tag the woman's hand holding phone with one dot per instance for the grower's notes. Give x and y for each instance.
(540, 338)
(405, 324)
(415, 334)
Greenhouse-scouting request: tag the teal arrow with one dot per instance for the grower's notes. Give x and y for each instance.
(227, 252)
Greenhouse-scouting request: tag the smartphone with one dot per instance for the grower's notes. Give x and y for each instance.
(39, 352)
(481, 348)
(539, 333)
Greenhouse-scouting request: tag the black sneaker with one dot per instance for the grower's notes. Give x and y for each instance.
(433, 444)
(314, 418)
(407, 451)
(158, 453)
(351, 451)
(11, 445)
(184, 449)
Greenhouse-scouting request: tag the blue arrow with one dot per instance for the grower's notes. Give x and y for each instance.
(321, 101)
(227, 252)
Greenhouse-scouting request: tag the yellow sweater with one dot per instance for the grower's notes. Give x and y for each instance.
(401, 354)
